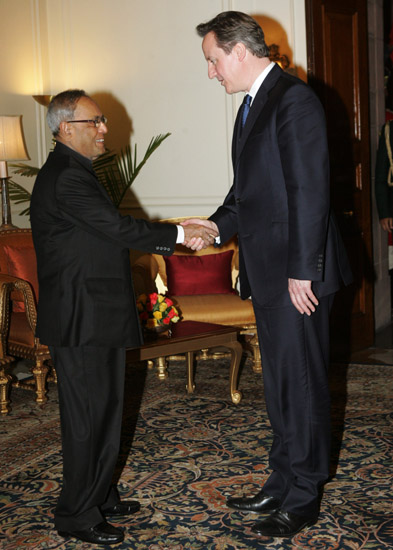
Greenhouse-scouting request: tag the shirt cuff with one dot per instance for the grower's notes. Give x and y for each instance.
(180, 234)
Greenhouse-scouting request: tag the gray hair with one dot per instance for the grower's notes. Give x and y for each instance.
(62, 107)
(231, 27)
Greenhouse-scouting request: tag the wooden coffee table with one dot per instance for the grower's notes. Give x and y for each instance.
(188, 337)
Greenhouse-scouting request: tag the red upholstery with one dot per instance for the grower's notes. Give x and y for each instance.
(209, 274)
(22, 263)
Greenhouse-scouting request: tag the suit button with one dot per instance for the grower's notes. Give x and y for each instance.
(238, 200)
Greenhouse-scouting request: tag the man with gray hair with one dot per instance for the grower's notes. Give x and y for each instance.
(87, 313)
(291, 261)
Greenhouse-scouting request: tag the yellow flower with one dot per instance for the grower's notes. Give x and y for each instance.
(160, 298)
(163, 306)
(157, 314)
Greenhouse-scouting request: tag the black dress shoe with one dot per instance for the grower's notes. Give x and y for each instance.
(283, 524)
(260, 503)
(103, 533)
(125, 508)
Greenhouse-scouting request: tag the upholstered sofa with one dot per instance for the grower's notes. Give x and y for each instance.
(203, 286)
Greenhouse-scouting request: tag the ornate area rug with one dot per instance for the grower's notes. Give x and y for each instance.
(183, 455)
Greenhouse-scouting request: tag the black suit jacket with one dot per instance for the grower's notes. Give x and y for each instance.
(82, 244)
(279, 201)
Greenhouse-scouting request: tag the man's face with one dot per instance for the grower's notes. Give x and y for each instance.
(84, 137)
(224, 67)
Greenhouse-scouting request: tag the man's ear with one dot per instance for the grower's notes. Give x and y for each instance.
(65, 131)
(240, 51)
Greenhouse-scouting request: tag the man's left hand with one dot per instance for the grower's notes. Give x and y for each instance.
(302, 296)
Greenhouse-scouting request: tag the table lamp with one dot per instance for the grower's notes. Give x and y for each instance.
(12, 147)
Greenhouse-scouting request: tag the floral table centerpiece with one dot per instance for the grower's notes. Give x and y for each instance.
(156, 311)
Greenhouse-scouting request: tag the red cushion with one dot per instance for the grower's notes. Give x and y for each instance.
(22, 263)
(207, 274)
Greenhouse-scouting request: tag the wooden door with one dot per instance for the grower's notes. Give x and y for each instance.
(338, 71)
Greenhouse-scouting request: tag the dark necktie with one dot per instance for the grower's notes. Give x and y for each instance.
(246, 108)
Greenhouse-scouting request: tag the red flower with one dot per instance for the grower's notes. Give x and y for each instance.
(171, 314)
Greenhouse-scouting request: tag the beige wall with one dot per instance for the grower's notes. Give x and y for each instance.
(143, 62)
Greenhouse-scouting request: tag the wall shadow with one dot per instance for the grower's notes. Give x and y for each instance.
(346, 207)
(276, 34)
(120, 131)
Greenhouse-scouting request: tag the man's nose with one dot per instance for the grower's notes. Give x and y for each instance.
(211, 71)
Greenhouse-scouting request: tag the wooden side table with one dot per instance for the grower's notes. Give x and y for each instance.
(188, 337)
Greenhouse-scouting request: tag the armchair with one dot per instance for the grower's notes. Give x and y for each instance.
(18, 270)
(154, 273)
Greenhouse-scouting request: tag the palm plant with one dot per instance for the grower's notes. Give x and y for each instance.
(116, 172)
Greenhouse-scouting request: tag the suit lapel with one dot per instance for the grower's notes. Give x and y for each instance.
(256, 109)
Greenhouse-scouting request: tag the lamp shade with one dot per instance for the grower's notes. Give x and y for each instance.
(12, 142)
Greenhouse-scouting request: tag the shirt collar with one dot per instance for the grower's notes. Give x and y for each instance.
(258, 82)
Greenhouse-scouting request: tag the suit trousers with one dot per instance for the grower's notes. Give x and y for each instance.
(295, 359)
(91, 389)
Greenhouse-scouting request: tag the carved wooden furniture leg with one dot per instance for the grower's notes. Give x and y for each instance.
(40, 373)
(236, 352)
(162, 370)
(190, 386)
(254, 343)
(5, 382)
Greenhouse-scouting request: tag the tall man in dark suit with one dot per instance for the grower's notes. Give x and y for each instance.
(292, 260)
(87, 312)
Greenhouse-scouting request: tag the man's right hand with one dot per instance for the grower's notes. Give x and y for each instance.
(198, 235)
(209, 231)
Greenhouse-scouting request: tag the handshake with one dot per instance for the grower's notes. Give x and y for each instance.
(199, 233)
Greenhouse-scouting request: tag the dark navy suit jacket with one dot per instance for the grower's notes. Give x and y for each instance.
(279, 202)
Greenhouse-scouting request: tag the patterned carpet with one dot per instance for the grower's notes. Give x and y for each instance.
(184, 454)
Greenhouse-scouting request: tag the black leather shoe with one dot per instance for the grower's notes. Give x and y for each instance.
(103, 533)
(283, 524)
(125, 508)
(260, 503)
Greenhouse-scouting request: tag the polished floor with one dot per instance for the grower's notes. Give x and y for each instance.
(381, 352)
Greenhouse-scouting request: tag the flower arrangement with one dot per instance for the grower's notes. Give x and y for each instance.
(156, 310)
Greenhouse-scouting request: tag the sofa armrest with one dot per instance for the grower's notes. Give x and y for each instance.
(24, 289)
(5, 291)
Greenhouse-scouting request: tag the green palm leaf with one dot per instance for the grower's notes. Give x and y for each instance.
(117, 172)
(24, 170)
(19, 195)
